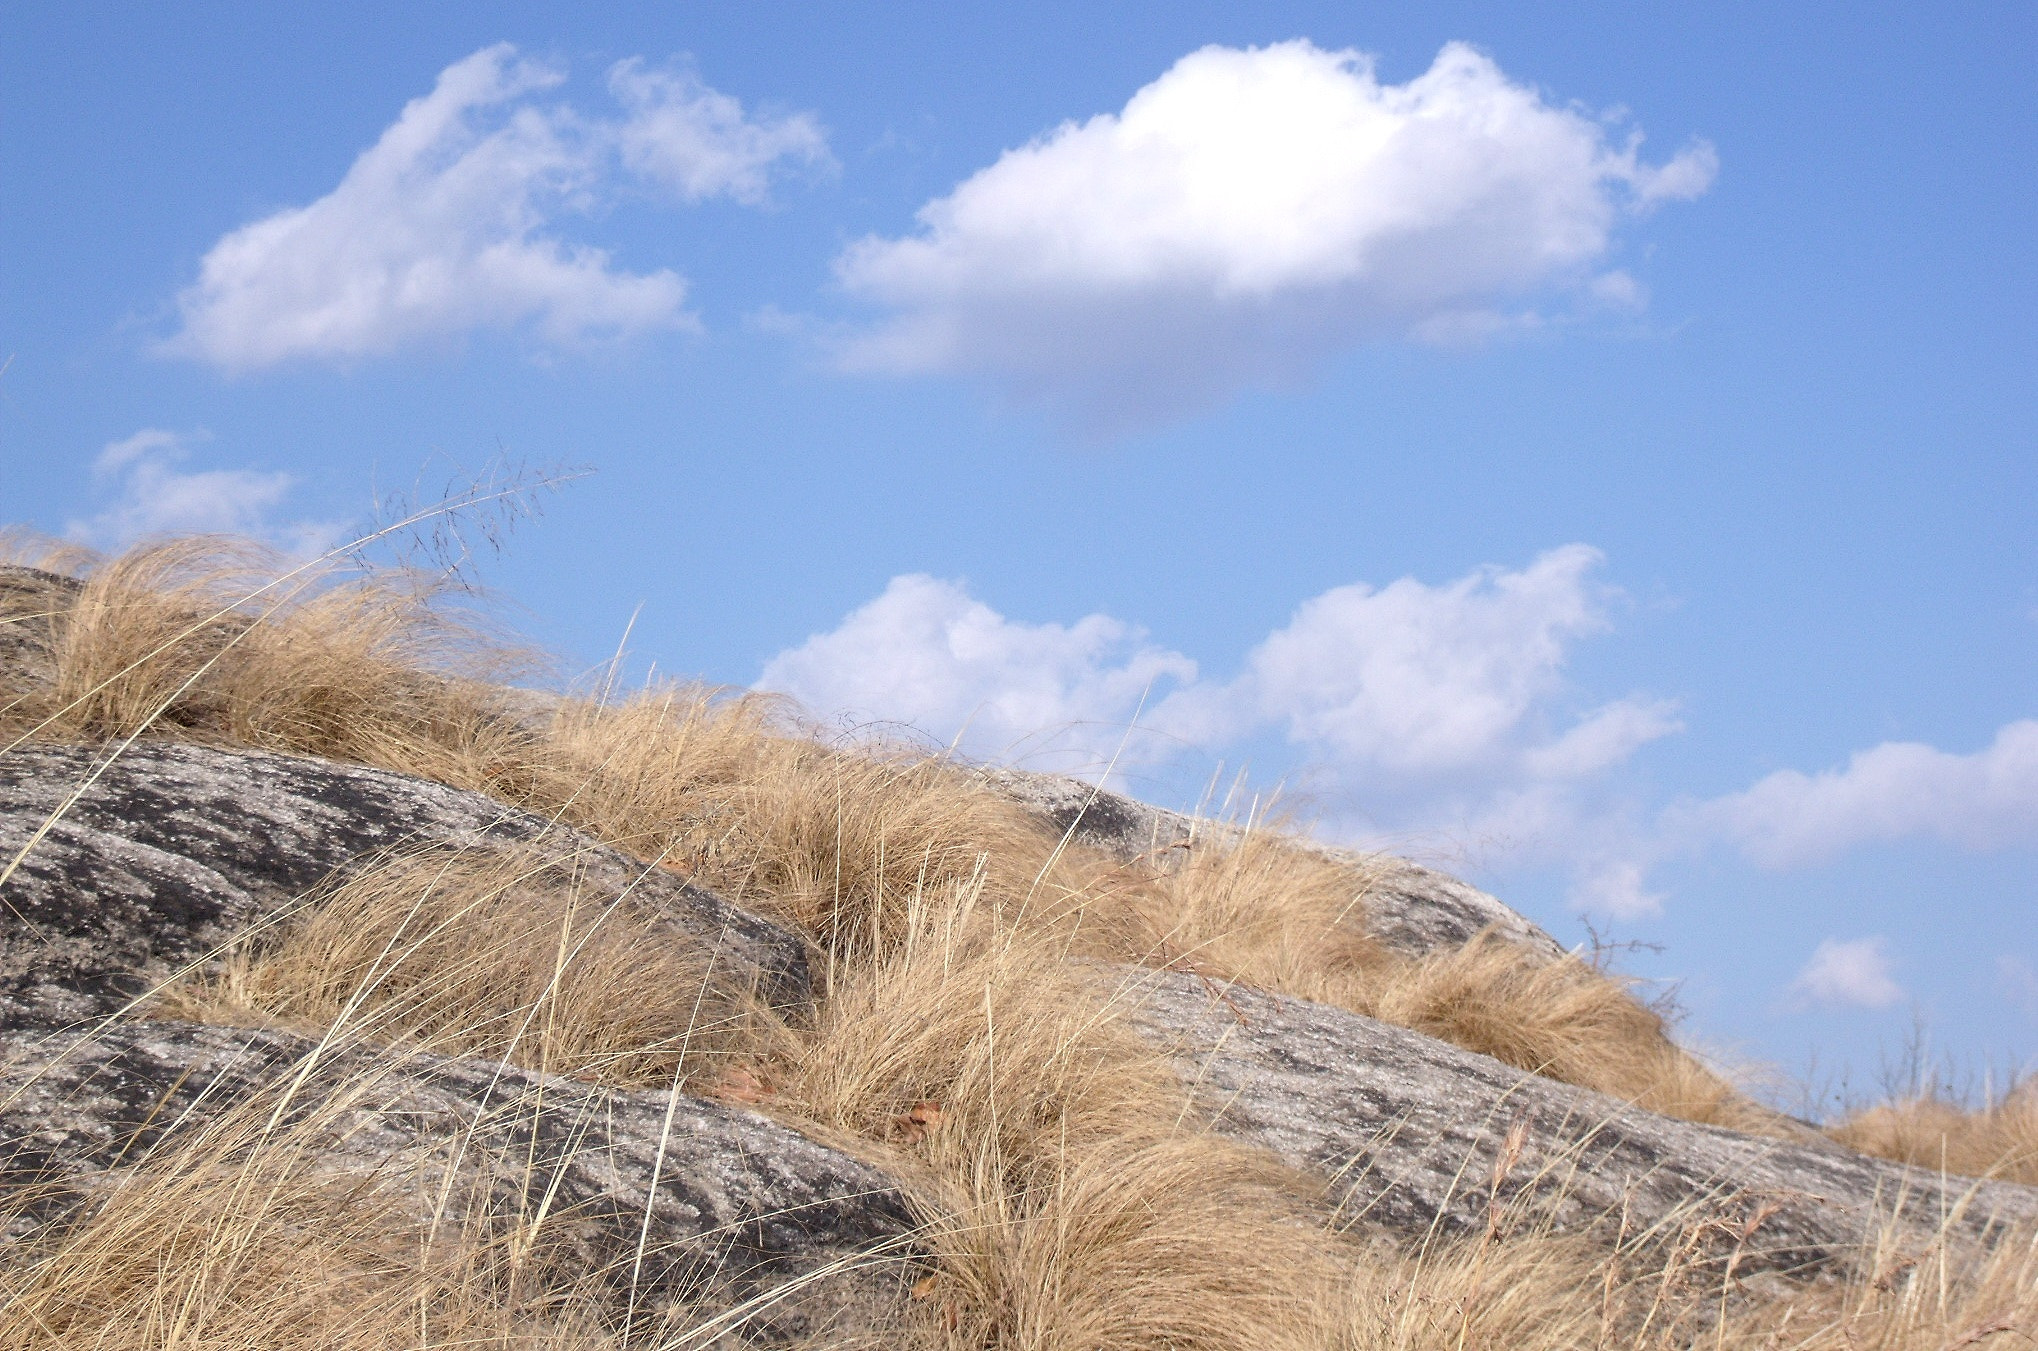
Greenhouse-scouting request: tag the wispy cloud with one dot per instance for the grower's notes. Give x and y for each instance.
(1899, 790)
(1249, 212)
(1856, 973)
(151, 495)
(445, 225)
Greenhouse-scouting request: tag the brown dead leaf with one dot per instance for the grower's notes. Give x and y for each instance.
(912, 1125)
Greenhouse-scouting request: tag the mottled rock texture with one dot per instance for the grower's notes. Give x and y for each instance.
(669, 1203)
(1407, 1133)
(29, 600)
(172, 848)
(1409, 908)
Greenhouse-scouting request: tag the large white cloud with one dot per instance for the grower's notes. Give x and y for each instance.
(1244, 214)
(1898, 790)
(441, 227)
(152, 495)
(926, 653)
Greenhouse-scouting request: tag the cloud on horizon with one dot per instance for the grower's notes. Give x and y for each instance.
(1247, 214)
(443, 226)
(1899, 790)
(153, 496)
(1438, 714)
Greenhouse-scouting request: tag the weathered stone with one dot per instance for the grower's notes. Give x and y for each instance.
(670, 1202)
(1410, 908)
(172, 848)
(30, 599)
(1409, 1134)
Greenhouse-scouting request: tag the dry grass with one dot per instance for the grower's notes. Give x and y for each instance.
(208, 638)
(1930, 1297)
(238, 1234)
(499, 953)
(1999, 1139)
(1042, 1143)
(1068, 1204)
(734, 791)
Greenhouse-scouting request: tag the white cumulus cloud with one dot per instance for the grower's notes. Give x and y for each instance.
(926, 653)
(442, 226)
(1414, 679)
(1856, 973)
(1898, 790)
(1248, 212)
(1443, 706)
(152, 495)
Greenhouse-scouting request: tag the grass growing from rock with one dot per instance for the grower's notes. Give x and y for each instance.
(961, 1038)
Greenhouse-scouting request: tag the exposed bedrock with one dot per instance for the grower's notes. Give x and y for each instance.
(699, 1210)
(1409, 908)
(1409, 1133)
(172, 848)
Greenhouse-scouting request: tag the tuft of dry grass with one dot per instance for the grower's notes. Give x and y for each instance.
(1067, 1199)
(210, 638)
(241, 1234)
(1915, 1296)
(1998, 1139)
(500, 953)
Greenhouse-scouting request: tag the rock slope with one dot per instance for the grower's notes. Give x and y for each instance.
(125, 871)
(1420, 1137)
(179, 847)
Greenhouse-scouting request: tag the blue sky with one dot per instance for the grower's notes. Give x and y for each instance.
(1591, 447)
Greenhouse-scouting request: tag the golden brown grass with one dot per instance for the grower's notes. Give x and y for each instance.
(500, 953)
(1998, 1139)
(734, 791)
(1050, 1153)
(242, 1234)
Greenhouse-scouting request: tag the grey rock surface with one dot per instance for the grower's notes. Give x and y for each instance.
(1407, 1133)
(174, 847)
(29, 598)
(1409, 908)
(729, 1205)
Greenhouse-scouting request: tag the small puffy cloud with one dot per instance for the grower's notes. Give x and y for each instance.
(1247, 213)
(1855, 974)
(927, 653)
(1895, 791)
(698, 143)
(153, 496)
(1617, 889)
(441, 227)
(1414, 680)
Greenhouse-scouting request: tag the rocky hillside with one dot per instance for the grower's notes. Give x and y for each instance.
(350, 996)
